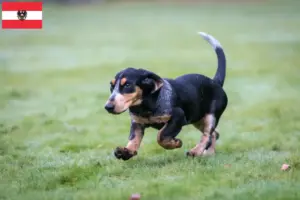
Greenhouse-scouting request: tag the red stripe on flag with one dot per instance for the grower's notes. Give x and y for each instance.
(18, 24)
(28, 6)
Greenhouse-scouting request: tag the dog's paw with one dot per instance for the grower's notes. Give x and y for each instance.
(193, 153)
(124, 153)
(190, 154)
(178, 143)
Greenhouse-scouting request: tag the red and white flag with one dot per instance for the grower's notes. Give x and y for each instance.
(22, 15)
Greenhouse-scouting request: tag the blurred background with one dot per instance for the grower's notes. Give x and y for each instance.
(84, 43)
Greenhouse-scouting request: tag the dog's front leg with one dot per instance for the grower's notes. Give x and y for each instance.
(135, 139)
(166, 135)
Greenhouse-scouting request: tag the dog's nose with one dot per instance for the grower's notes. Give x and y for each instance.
(109, 107)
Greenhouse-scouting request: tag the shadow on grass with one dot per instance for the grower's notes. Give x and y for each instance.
(165, 159)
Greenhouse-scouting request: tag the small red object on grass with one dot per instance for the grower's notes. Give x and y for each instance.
(285, 167)
(135, 197)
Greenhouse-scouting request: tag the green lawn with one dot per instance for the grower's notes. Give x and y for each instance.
(57, 141)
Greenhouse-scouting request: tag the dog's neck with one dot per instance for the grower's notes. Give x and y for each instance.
(157, 103)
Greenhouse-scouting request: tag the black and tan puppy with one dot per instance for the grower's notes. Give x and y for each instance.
(169, 104)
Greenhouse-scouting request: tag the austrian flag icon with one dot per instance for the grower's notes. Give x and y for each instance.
(22, 15)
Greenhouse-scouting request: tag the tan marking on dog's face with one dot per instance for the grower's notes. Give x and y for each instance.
(123, 101)
(123, 81)
(151, 119)
(113, 82)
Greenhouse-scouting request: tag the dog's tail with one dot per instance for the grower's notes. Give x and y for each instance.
(221, 71)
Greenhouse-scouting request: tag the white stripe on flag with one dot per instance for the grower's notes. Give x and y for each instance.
(31, 15)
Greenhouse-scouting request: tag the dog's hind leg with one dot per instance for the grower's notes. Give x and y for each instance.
(211, 150)
(207, 126)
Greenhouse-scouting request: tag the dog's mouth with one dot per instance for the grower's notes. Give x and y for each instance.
(120, 107)
(117, 113)
(122, 103)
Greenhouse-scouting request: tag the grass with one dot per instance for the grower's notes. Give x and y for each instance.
(56, 140)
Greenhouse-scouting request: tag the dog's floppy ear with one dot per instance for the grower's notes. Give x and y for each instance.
(149, 81)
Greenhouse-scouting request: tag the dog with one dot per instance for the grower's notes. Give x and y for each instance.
(169, 104)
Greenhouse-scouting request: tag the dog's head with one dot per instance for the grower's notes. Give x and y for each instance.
(129, 87)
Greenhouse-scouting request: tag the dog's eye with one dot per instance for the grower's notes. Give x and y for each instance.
(127, 85)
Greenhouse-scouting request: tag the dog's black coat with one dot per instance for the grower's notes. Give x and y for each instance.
(187, 99)
(195, 94)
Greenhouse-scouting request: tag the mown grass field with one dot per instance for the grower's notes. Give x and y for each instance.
(56, 140)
